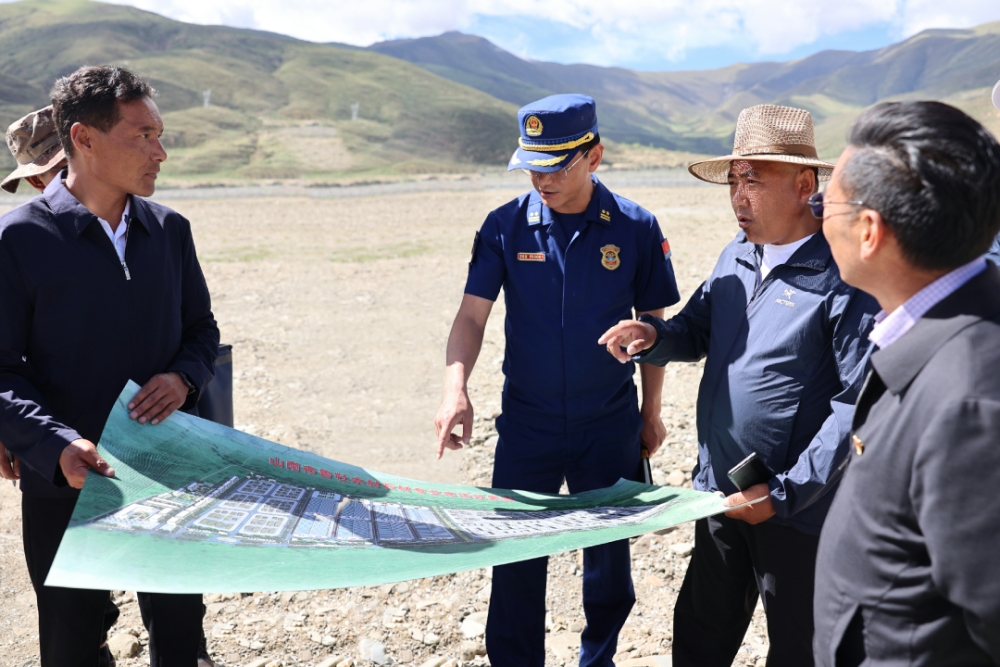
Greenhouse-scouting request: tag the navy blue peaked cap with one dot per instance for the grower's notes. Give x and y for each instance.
(553, 129)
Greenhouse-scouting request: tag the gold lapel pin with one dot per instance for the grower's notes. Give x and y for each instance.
(859, 446)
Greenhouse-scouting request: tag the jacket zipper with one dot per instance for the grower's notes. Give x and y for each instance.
(128, 276)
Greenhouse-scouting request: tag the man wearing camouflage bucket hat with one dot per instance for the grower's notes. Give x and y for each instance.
(572, 259)
(786, 347)
(35, 145)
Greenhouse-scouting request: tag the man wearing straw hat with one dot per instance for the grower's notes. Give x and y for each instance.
(785, 345)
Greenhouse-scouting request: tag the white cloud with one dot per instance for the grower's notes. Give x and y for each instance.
(609, 31)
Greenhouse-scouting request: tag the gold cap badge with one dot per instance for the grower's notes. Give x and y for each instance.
(609, 257)
(533, 126)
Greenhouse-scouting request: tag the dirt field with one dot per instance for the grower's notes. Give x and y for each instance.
(338, 311)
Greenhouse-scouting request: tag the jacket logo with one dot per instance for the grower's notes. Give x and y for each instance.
(788, 293)
(609, 257)
(531, 256)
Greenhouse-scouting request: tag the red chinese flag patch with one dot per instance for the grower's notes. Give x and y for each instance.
(666, 249)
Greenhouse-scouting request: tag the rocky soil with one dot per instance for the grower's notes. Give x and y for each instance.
(339, 312)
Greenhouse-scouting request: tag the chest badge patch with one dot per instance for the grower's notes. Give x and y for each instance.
(531, 256)
(609, 257)
(859, 446)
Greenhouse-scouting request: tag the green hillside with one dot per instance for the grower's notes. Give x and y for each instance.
(697, 110)
(279, 107)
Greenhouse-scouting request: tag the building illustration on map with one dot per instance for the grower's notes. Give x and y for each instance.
(239, 507)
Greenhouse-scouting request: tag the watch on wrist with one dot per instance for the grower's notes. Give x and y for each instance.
(187, 382)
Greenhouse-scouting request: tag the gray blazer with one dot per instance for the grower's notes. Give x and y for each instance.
(909, 557)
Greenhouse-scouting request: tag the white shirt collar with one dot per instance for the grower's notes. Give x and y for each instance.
(890, 327)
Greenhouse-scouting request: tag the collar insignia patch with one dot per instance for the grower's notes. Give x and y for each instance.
(534, 216)
(533, 126)
(609, 257)
(605, 215)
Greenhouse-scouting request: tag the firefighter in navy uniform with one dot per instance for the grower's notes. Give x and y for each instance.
(573, 259)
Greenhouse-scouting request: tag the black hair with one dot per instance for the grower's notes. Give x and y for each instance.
(933, 174)
(90, 95)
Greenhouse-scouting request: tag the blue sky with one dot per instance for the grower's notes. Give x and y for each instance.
(639, 34)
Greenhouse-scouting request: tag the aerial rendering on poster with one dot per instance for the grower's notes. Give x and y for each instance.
(240, 507)
(221, 510)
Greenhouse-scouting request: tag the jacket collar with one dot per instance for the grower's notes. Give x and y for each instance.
(601, 209)
(814, 254)
(976, 300)
(75, 216)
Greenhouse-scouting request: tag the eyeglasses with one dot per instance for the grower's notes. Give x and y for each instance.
(560, 175)
(816, 204)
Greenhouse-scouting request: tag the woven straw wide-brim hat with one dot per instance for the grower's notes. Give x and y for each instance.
(768, 133)
(35, 145)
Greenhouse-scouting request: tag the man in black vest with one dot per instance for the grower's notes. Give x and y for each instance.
(907, 571)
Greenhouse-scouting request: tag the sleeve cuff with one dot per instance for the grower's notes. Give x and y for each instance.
(651, 320)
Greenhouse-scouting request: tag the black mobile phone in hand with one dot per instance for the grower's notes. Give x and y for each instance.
(748, 472)
(645, 473)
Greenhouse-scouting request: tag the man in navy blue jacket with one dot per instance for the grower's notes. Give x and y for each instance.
(97, 286)
(785, 348)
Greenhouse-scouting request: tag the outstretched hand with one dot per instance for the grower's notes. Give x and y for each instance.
(77, 458)
(633, 335)
(455, 409)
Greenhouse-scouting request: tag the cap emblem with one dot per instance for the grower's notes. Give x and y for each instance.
(609, 257)
(533, 126)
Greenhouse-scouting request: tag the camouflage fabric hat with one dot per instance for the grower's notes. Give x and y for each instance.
(35, 145)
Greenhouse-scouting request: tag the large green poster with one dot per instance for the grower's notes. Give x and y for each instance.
(198, 507)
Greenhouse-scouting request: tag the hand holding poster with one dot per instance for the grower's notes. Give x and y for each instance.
(196, 507)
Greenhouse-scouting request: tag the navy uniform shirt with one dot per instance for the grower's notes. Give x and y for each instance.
(562, 292)
(786, 359)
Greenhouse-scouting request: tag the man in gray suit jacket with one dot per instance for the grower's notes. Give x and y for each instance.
(908, 571)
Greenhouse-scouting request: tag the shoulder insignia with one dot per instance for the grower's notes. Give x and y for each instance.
(609, 257)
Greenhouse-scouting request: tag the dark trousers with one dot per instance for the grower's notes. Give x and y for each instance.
(71, 621)
(537, 459)
(733, 563)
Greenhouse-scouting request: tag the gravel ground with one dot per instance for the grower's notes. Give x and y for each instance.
(338, 310)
